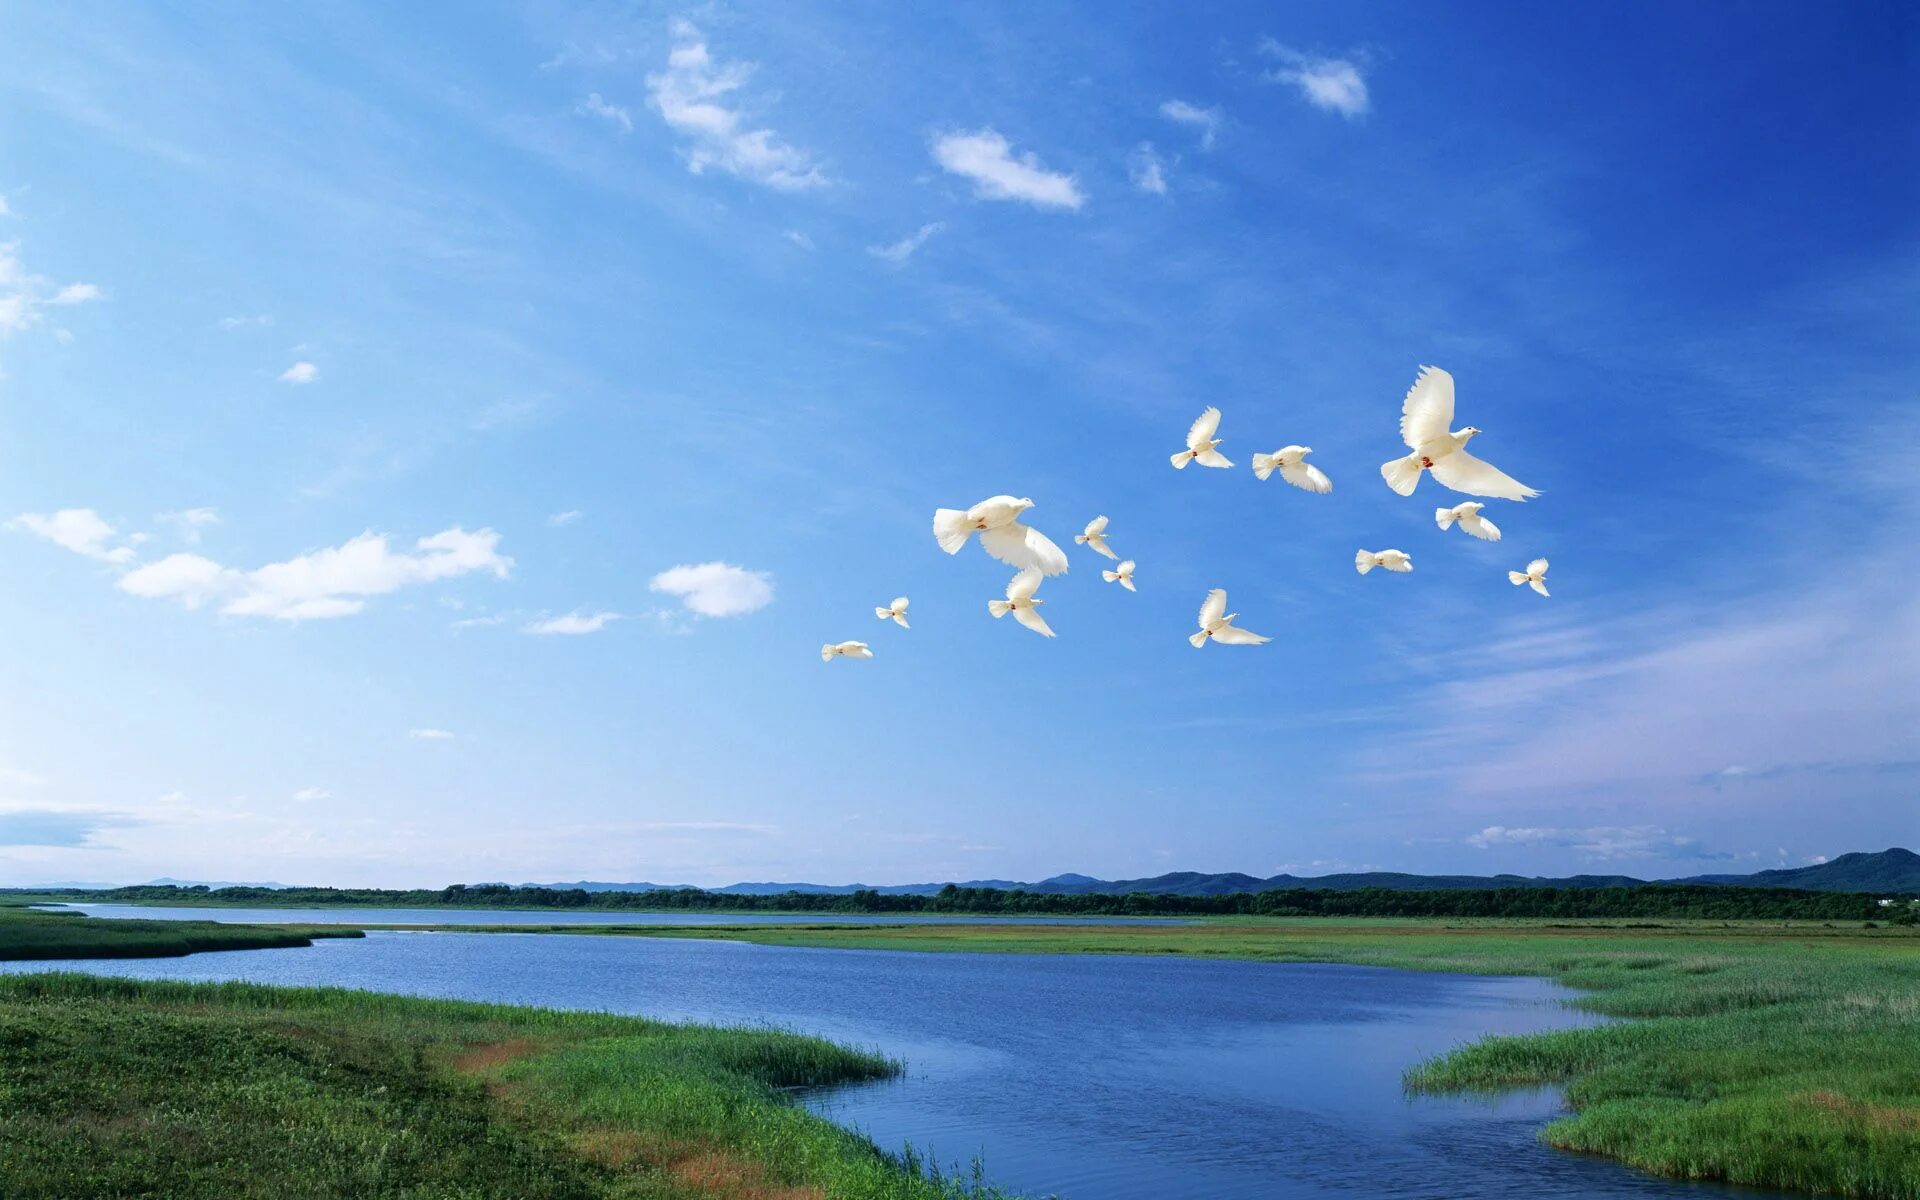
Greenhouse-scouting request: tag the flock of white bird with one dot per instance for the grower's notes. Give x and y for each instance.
(1426, 420)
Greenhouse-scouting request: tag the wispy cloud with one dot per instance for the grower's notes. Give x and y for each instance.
(431, 735)
(65, 828)
(1147, 170)
(902, 250)
(229, 324)
(80, 530)
(335, 582)
(689, 97)
(188, 522)
(564, 518)
(1598, 842)
(987, 158)
(572, 624)
(300, 372)
(1206, 120)
(1335, 84)
(799, 239)
(307, 795)
(595, 106)
(716, 589)
(25, 296)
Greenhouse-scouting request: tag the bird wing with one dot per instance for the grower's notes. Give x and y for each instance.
(1476, 477)
(857, 649)
(1023, 585)
(1214, 607)
(899, 604)
(1478, 526)
(1032, 619)
(1307, 477)
(1101, 547)
(1213, 458)
(1536, 568)
(1394, 560)
(1538, 586)
(1427, 412)
(1023, 546)
(1096, 526)
(1233, 635)
(1204, 427)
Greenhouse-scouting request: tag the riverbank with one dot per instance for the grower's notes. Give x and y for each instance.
(213, 1091)
(1775, 1055)
(31, 934)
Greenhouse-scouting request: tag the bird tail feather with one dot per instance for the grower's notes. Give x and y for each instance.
(999, 608)
(1181, 460)
(1402, 474)
(1363, 562)
(1109, 576)
(950, 529)
(1198, 640)
(1516, 578)
(1443, 517)
(826, 652)
(1263, 465)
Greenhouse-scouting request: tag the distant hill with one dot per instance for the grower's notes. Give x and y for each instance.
(165, 881)
(1894, 871)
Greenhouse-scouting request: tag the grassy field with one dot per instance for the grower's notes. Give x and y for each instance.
(1769, 1054)
(30, 934)
(118, 1088)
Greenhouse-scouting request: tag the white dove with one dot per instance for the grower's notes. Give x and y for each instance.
(1122, 575)
(1392, 560)
(1021, 604)
(1201, 443)
(1095, 537)
(1291, 462)
(833, 650)
(1216, 624)
(1535, 576)
(997, 520)
(896, 612)
(1471, 522)
(1424, 417)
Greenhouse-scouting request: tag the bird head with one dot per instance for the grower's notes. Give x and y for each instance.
(1470, 431)
(1470, 507)
(1023, 504)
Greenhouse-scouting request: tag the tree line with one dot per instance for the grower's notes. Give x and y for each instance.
(1647, 900)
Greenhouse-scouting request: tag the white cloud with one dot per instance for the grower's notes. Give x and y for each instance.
(188, 522)
(572, 623)
(300, 372)
(688, 96)
(1334, 84)
(479, 622)
(565, 518)
(594, 106)
(307, 794)
(1147, 171)
(1816, 859)
(716, 589)
(1601, 841)
(80, 530)
(987, 158)
(1206, 120)
(259, 320)
(799, 239)
(334, 582)
(431, 735)
(24, 296)
(4, 210)
(902, 250)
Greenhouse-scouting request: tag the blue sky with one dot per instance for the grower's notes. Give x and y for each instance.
(580, 296)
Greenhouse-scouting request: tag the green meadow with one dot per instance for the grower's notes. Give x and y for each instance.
(30, 934)
(113, 1088)
(1771, 1054)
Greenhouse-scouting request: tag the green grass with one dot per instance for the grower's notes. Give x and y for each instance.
(1770, 1054)
(116, 1088)
(30, 934)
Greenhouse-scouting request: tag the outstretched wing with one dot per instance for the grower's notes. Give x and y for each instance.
(1213, 458)
(1032, 620)
(1478, 526)
(1203, 429)
(1394, 560)
(1476, 477)
(1233, 635)
(1023, 585)
(1096, 526)
(1427, 412)
(1214, 607)
(1023, 546)
(856, 649)
(1307, 477)
(1537, 568)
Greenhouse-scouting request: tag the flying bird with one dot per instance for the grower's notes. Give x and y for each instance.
(1021, 604)
(1095, 537)
(1471, 522)
(1201, 444)
(833, 650)
(1216, 624)
(896, 612)
(1122, 575)
(1535, 576)
(1392, 560)
(997, 520)
(1291, 462)
(1424, 417)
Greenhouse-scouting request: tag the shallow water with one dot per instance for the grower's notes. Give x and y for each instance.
(560, 916)
(1097, 1078)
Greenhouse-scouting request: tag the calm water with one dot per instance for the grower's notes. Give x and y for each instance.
(514, 916)
(1097, 1078)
